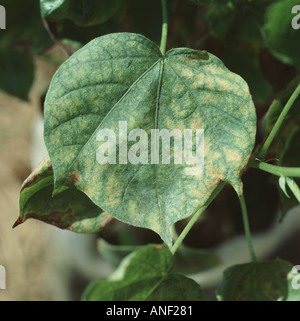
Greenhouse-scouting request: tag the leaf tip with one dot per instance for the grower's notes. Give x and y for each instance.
(18, 222)
(237, 185)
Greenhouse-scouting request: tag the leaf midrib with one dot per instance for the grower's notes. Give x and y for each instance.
(114, 106)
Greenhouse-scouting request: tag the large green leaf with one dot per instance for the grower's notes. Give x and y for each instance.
(258, 281)
(82, 12)
(70, 209)
(124, 77)
(280, 37)
(145, 275)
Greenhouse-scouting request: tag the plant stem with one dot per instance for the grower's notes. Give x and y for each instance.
(247, 228)
(196, 217)
(294, 188)
(164, 32)
(276, 170)
(262, 152)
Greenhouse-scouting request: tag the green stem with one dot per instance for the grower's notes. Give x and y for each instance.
(164, 32)
(276, 170)
(261, 154)
(247, 228)
(294, 188)
(196, 216)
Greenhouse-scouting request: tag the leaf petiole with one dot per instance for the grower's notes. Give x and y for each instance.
(247, 228)
(274, 169)
(164, 32)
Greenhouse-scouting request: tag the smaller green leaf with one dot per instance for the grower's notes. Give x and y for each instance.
(145, 275)
(187, 260)
(237, 21)
(27, 33)
(176, 287)
(245, 63)
(258, 281)
(192, 260)
(24, 28)
(203, 2)
(17, 73)
(67, 29)
(82, 12)
(282, 185)
(71, 209)
(279, 35)
(114, 253)
(292, 184)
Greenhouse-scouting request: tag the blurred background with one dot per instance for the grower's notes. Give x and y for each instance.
(23, 252)
(255, 39)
